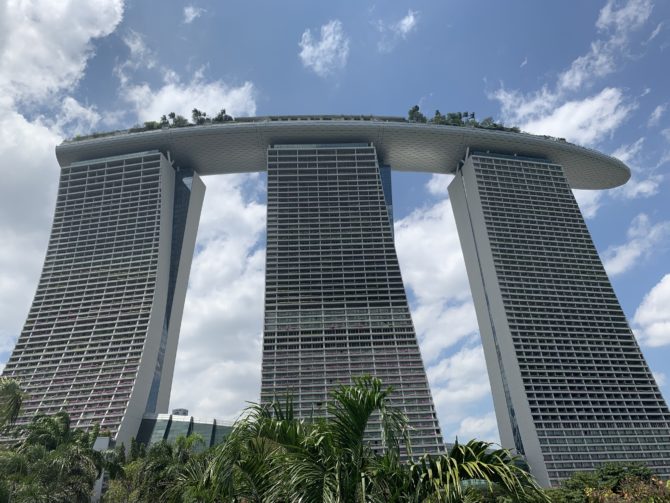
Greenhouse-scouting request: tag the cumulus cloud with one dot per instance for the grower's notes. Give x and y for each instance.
(554, 111)
(75, 118)
(221, 334)
(329, 53)
(181, 97)
(458, 381)
(438, 184)
(433, 269)
(652, 317)
(584, 121)
(434, 273)
(191, 13)
(392, 32)
(643, 237)
(480, 427)
(589, 201)
(175, 95)
(45, 45)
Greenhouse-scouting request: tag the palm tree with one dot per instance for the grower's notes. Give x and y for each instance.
(450, 477)
(271, 455)
(52, 462)
(11, 399)
(162, 468)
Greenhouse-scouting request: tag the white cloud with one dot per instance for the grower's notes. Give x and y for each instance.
(643, 183)
(627, 153)
(524, 62)
(619, 20)
(642, 238)
(438, 184)
(598, 62)
(480, 427)
(459, 380)
(407, 24)
(624, 16)
(583, 120)
(150, 103)
(655, 33)
(430, 254)
(75, 118)
(45, 45)
(181, 98)
(661, 378)
(140, 56)
(639, 187)
(391, 33)
(589, 201)
(434, 273)
(191, 13)
(220, 343)
(652, 318)
(328, 54)
(656, 115)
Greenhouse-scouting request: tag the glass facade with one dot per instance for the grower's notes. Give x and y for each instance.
(81, 346)
(94, 343)
(168, 427)
(576, 387)
(335, 304)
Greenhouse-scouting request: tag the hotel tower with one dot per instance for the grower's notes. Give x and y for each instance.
(571, 388)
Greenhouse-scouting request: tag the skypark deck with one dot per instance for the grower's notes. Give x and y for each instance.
(240, 146)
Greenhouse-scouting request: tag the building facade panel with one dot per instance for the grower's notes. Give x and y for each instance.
(335, 304)
(92, 339)
(573, 389)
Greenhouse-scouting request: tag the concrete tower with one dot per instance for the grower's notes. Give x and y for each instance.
(335, 304)
(571, 388)
(101, 335)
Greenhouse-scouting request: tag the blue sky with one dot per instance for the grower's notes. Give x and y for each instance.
(596, 73)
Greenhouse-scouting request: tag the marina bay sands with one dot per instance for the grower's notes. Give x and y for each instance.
(571, 388)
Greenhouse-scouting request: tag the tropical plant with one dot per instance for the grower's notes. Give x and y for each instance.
(11, 399)
(607, 483)
(462, 119)
(471, 468)
(273, 456)
(353, 454)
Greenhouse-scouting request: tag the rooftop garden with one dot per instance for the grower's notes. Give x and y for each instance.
(414, 115)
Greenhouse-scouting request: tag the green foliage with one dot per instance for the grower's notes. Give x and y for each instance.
(461, 119)
(271, 455)
(414, 115)
(222, 116)
(149, 125)
(442, 478)
(11, 399)
(610, 483)
(52, 462)
(200, 118)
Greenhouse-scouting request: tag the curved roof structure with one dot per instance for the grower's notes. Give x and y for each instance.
(240, 146)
